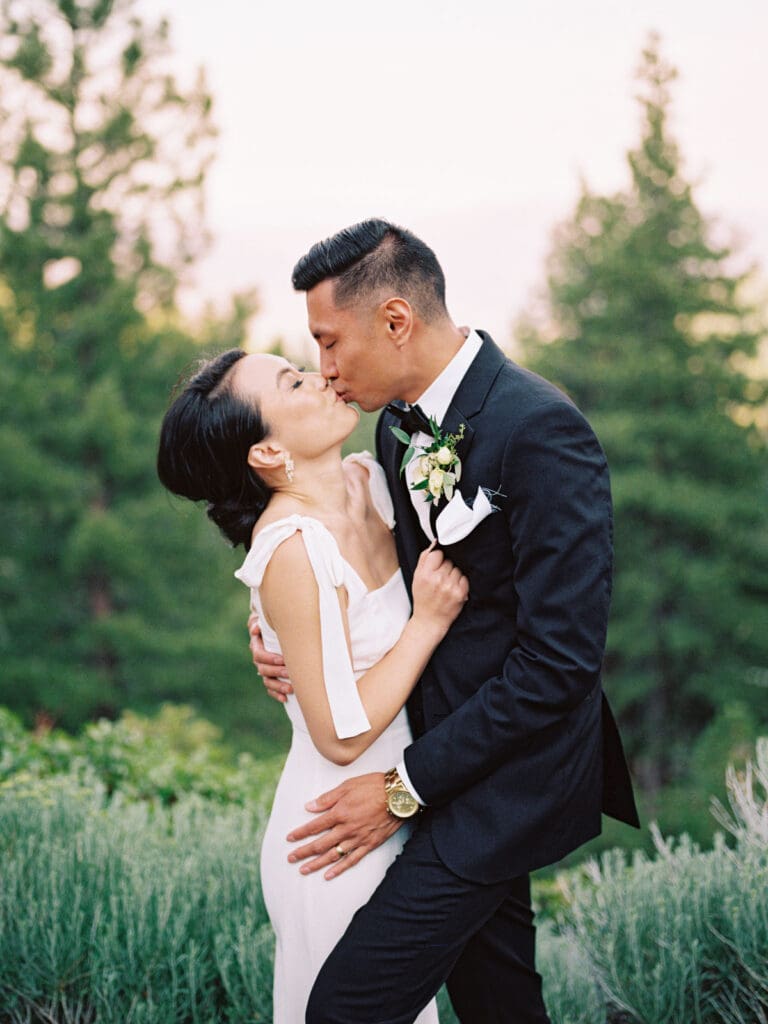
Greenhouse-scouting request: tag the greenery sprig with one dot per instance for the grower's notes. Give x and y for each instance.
(438, 468)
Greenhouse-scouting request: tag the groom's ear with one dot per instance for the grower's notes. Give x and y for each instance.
(266, 455)
(397, 317)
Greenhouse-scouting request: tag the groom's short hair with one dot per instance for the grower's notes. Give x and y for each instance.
(373, 255)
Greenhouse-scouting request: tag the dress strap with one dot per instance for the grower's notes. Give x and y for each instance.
(377, 484)
(328, 566)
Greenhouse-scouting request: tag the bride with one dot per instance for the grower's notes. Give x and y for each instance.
(260, 442)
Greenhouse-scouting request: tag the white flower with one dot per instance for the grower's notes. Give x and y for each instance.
(445, 456)
(436, 482)
(421, 469)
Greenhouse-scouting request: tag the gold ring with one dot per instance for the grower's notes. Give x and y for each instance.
(340, 851)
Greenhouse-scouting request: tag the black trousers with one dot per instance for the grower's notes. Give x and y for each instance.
(424, 926)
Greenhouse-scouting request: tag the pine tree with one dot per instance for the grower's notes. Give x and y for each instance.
(646, 326)
(111, 595)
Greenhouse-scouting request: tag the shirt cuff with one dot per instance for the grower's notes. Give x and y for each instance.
(403, 773)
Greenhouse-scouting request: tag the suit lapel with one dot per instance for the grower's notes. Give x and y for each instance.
(468, 402)
(452, 423)
(476, 383)
(466, 406)
(392, 453)
(408, 531)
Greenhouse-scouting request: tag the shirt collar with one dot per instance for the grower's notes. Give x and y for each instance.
(439, 395)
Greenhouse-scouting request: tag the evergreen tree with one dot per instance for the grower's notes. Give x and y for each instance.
(111, 595)
(645, 325)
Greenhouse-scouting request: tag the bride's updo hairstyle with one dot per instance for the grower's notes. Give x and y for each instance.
(203, 452)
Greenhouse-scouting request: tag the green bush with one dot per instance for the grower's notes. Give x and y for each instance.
(160, 758)
(120, 913)
(682, 937)
(114, 908)
(571, 991)
(679, 939)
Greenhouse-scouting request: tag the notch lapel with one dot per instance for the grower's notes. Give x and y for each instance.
(408, 531)
(467, 405)
(477, 382)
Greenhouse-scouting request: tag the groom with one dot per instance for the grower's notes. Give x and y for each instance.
(516, 753)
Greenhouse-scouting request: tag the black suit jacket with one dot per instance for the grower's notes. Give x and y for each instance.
(516, 750)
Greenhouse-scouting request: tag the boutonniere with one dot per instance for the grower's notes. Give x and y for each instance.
(438, 467)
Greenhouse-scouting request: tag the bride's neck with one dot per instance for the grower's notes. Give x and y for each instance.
(318, 484)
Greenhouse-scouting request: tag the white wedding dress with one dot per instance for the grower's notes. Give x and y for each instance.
(309, 914)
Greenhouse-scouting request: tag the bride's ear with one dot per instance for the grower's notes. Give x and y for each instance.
(266, 456)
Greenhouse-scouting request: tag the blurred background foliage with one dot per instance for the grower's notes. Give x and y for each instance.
(113, 597)
(647, 324)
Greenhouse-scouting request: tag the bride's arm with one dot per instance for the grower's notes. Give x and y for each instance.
(367, 482)
(439, 593)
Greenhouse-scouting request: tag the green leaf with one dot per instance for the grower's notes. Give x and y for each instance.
(421, 486)
(406, 459)
(401, 435)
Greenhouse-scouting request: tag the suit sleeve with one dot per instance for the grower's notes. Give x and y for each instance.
(558, 511)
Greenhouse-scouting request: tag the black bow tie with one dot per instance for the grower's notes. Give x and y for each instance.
(412, 419)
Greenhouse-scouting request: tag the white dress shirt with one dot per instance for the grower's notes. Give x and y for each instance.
(434, 403)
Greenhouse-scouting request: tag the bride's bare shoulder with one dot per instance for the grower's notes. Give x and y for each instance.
(288, 561)
(275, 512)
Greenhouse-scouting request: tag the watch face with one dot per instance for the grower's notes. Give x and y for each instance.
(402, 804)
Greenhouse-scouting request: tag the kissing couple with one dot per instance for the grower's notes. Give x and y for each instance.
(433, 619)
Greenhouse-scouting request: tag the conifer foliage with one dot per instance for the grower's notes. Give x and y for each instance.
(646, 325)
(110, 595)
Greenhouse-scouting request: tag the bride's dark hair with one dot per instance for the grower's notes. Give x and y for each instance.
(203, 451)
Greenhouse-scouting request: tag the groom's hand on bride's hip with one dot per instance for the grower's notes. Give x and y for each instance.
(271, 666)
(351, 821)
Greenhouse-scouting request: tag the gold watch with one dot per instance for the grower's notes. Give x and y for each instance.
(400, 802)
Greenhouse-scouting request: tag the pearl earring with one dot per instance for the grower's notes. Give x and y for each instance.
(289, 468)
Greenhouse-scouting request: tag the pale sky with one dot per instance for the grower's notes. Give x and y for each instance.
(469, 121)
